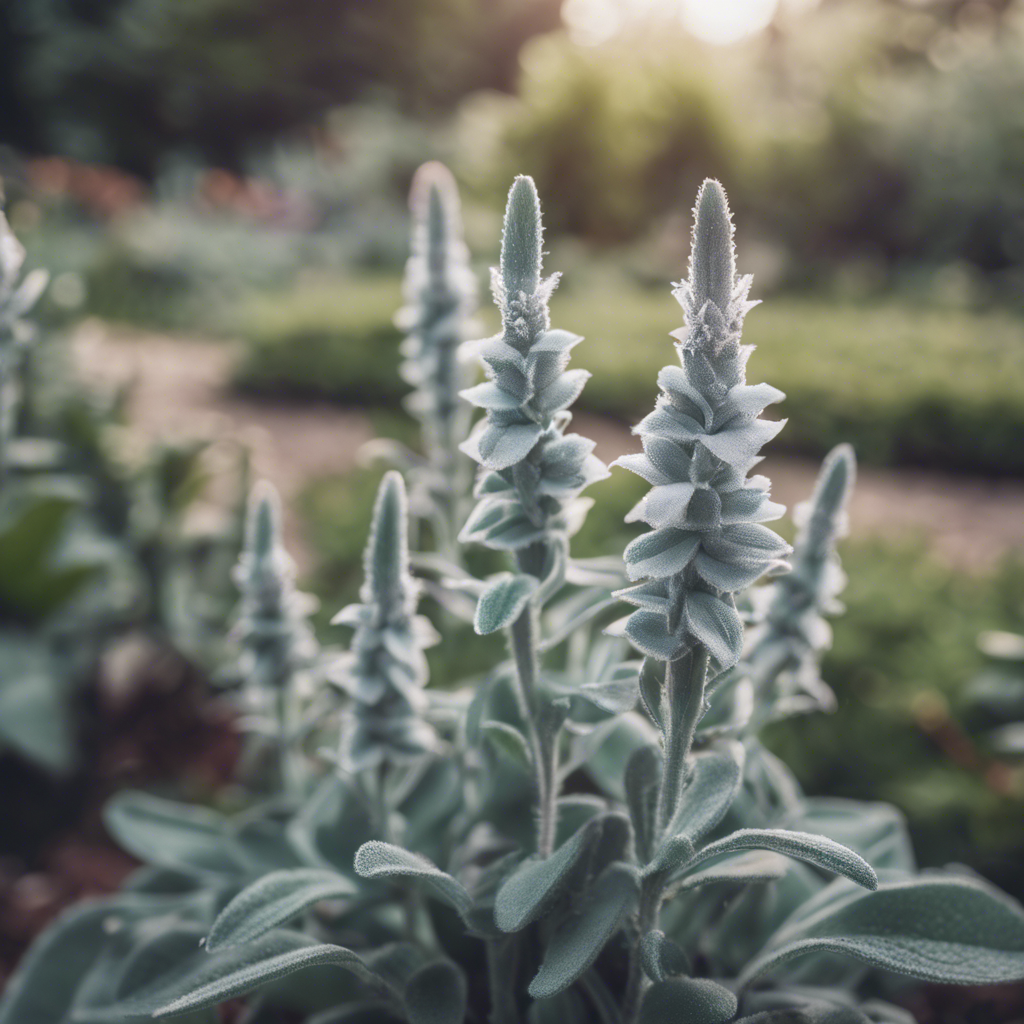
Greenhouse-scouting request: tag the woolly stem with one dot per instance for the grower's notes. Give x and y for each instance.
(502, 964)
(682, 706)
(524, 637)
(647, 919)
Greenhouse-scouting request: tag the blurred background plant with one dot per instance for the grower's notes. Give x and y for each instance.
(240, 171)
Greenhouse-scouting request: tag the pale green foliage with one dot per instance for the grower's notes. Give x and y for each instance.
(386, 670)
(440, 294)
(535, 472)
(785, 648)
(272, 628)
(683, 878)
(706, 540)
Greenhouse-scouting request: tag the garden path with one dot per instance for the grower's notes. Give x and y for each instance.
(181, 388)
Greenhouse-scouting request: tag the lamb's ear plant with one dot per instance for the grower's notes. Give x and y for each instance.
(278, 653)
(440, 293)
(386, 670)
(784, 649)
(533, 473)
(488, 870)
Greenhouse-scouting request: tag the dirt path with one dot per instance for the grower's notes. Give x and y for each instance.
(180, 389)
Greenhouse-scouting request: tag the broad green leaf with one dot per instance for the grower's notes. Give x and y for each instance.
(227, 980)
(817, 850)
(509, 742)
(687, 1001)
(661, 957)
(536, 883)
(44, 986)
(34, 580)
(651, 682)
(877, 831)
(714, 782)
(273, 900)
(35, 702)
(580, 938)
(743, 868)
(616, 695)
(642, 778)
(382, 860)
(938, 928)
(185, 837)
(436, 994)
(503, 602)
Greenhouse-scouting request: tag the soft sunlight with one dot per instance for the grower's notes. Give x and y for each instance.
(591, 22)
(726, 21)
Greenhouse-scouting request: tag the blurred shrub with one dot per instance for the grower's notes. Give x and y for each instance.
(883, 133)
(613, 136)
(849, 372)
(130, 81)
(331, 339)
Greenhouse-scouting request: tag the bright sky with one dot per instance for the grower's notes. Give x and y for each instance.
(715, 21)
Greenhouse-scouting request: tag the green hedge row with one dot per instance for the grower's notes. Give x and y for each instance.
(906, 385)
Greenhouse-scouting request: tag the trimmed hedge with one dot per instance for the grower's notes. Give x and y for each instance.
(851, 373)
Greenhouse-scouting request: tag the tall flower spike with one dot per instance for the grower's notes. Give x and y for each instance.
(784, 650)
(276, 639)
(386, 671)
(440, 297)
(534, 472)
(707, 541)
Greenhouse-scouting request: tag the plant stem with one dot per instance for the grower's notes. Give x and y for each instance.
(682, 706)
(524, 654)
(647, 919)
(502, 957)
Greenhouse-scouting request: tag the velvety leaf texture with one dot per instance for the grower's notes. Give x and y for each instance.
(533, 471)
(383, 860)
(688, 1001)
(436, 994)
(387, 669)
(817, 850)
(699, 444)
(228, 979)
(273, 900)
(581, 937)
(938, 928)
(503, 602)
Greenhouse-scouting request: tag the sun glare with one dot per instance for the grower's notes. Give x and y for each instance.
(720, 22)
(726, 21)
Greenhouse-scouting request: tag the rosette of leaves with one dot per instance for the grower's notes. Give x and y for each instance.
(440, 292)
(386, 669)
(784, 650)
(277, 644)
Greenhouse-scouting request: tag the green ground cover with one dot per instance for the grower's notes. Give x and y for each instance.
(905, 384)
